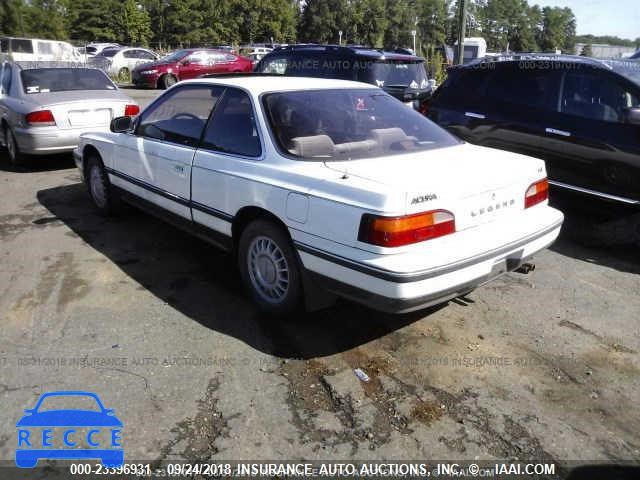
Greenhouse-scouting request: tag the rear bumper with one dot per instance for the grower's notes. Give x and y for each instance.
(43, 141)
(400, 292)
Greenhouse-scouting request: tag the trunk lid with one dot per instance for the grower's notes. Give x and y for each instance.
(95, 109)
(476, 184)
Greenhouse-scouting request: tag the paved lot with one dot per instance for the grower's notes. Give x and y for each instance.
(156, 323)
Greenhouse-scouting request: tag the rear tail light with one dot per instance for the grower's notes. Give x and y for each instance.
(536, 193)
(131, 110)
(40, 118)
(405, 230)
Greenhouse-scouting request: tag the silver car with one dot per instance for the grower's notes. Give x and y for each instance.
(43, 110)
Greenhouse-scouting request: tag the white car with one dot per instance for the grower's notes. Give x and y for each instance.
(323, 185)
(120, 62)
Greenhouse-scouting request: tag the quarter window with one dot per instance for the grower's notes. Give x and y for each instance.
(275, 65)
(233, 128)
(596, 97)
(181, 115)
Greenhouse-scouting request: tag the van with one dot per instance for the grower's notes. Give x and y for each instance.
(35, 49)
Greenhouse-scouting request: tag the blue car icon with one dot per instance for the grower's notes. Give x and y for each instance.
(29, 451)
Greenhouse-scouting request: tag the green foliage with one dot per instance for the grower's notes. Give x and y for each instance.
(587, 51)
(174, 23)
(134, 26)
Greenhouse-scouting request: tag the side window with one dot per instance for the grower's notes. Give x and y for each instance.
(181, 115)
(45, 48)
(198, 58)
(233, 128)
(596, 97)
(130, 54)
(275, 65)
(526, 85)
(19, 45)
(462, 84)
(146, 55)
(5, 79)
(4, 45)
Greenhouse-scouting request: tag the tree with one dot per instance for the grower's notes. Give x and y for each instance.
(322, 19)
(46, 18)
(558, 29)
(587, 51)
(94, 21)
(135, 24)
(12, 18)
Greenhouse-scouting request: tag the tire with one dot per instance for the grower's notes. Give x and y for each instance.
(124, 75)
(100, 190)
(16, 158)
(263, 247)
(167, 80)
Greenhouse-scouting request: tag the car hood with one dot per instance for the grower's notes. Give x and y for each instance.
(69, 418)
(53, 98)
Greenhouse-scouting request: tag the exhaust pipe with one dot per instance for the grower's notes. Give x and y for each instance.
(526, 268)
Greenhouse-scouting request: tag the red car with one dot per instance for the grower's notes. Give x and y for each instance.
(186, 64)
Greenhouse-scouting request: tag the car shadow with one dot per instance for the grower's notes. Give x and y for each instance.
(39, 163)
(203, 284)
(605, 472)
(575, 239)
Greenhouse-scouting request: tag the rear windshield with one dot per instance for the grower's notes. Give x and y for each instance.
(395, 74)
(108, 52)
(44, 80)
(348, 124)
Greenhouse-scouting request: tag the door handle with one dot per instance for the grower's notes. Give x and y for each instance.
(178, 168)
(475, 115)
(555, 131)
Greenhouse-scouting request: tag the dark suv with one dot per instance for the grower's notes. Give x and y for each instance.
(580, 115)
(399, 73)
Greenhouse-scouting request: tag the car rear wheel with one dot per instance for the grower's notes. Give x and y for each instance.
(124, 75)
(168, 80)
(269, 268)
(100, 190)
(13, 151)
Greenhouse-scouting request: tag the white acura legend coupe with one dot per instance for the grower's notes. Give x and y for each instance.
(324, 187)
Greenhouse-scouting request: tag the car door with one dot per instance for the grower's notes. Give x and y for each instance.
(522, 97)
(459, 104)
(194, 65)
(228, 155)
(154, 161)
(597, 149)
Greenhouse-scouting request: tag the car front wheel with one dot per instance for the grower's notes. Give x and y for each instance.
(167, 81)
(269, 268)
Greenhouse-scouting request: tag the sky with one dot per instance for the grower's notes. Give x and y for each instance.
(602, 17)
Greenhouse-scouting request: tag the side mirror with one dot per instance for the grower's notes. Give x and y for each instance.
(121, 124)
(185, 62)
(633, 116)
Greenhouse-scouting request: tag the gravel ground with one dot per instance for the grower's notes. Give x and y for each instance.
(155, 322)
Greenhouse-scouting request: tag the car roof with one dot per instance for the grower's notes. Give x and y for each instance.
(540, 57)
(349, 50)
(259, 84)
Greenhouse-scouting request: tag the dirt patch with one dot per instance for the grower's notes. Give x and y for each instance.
(607, 342)
(197, 436)
(427, 412)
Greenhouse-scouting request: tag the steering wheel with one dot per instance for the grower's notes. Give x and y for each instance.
(186, 115)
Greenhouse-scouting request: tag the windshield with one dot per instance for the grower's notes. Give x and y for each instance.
(175, 56)
(348, 124)
(394, 74)
(44, 80)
